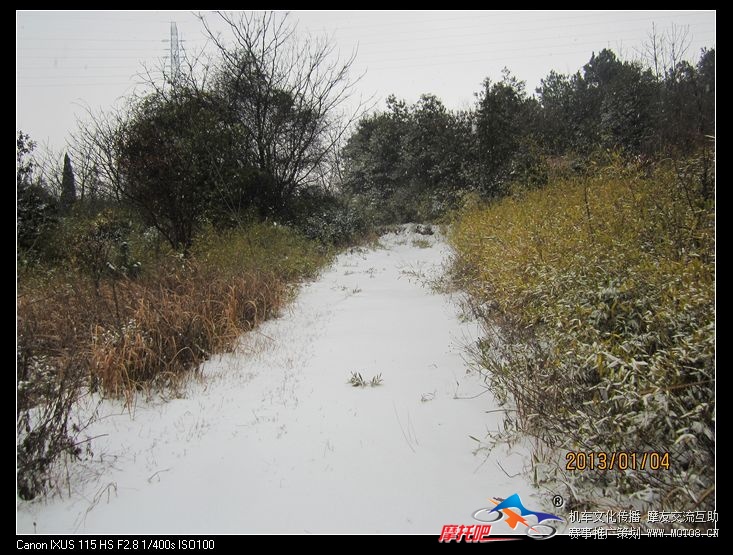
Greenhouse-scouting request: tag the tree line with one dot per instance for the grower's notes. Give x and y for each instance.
(413, 161)
(257, 131)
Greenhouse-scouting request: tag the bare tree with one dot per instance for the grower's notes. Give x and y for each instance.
(49, 166)
(677, 44)
(663, 52)
(286, 96)
(93, 147)
(193, 75)
(678, 115)
(86, 171)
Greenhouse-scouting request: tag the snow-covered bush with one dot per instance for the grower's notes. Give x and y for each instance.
(597, 295)
(337, 226)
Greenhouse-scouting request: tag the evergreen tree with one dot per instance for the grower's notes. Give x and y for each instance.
(68, 186)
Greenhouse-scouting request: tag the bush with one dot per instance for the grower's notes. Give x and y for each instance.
(597, 297)
(327, 218)
(55, 312)
(339, 226)
(45, 431)
(406, 206)
(100, 246)
(36, 220)
(260, 248)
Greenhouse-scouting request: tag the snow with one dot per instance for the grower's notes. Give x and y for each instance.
(273, 439)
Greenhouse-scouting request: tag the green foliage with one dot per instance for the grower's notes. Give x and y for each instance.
(421, 243)
(597, 297)
(503, 112)
(339, 226)
(171, 157)
(556, 120)
(686, 104)
(373, 152)
(36, 209)
(182, 166)
(23, 162)
(262, 248)
(618, 104)
(435, 146)
(704, 91)
(36, 219)
(408, 163)
(414, 163)
(100, 246)
(327, 218)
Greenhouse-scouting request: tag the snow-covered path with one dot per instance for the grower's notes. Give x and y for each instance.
(275, 439)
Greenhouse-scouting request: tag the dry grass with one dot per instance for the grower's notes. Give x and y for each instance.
(120, 336)
(165, 328)
(125, 334)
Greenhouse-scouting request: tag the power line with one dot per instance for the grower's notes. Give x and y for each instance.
(437, 36)
(476, 17)
(39, 85)
(57, 77)
(157, 53)
(627, 33)
(88, 49)
(75, 39)
(541, 49)
(77, 57)
(72, 39)
(458, 60)
(510, 29)
(59, 68)
(103, 16)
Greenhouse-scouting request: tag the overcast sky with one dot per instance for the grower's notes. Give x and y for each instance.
(67, 60)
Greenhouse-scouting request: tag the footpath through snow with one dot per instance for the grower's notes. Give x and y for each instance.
(273, 438)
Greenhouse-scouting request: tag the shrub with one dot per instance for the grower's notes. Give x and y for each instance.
(51, 374)
(36, 220)
(262, 247)
(45, 430)
(597, 297)
(340, 226)
(327, 218)
(100, 246)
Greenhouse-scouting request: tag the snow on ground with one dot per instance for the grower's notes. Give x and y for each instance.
(275, 439)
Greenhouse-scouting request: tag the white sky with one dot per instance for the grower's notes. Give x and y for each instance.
(65, 60)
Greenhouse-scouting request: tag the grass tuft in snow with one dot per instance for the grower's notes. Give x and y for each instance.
(421, 243)
(357, 380)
